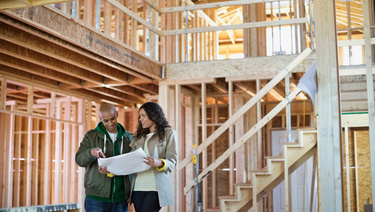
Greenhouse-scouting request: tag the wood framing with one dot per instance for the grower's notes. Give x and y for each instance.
(329, 107)
(248, 105)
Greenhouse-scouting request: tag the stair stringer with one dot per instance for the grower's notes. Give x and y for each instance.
(265, 180)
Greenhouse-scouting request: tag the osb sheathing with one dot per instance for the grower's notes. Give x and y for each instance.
(363, 168)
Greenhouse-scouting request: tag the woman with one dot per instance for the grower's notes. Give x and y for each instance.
(152, 188)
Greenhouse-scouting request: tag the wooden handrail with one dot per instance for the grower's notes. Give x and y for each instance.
(244, 138)
(245, 107)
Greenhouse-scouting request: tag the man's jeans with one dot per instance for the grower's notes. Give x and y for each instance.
(92, 205)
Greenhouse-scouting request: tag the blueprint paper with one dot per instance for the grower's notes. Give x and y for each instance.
(125, 164)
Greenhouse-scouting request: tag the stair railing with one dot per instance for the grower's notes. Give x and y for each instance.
(283, 73)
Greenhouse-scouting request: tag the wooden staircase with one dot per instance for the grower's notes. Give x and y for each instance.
(263, 181)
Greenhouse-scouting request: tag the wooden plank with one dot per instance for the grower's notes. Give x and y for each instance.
(209, 5)
(241, 169)
(36, 156)
(30, 99)
(204, 151)
(135, 16)
(366, 5)
(11, 162)
(29, 154)
(244, 138)
(329, 106)
(47, 154)
(286, 179)
(38, 116)
(3, 94)
(231, 140)
(236, 26)
(10, 4)
(259, 137)
(58, 152)
(354, 42)
(356, 169)
(179, 203)
(94, 41)
(17, 180)
(347, 168)
(66, 151)
(81, 133)
(246, 106)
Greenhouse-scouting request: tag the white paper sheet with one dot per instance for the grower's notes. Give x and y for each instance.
(125, 164)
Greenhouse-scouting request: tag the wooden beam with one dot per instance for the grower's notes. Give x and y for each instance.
(30, 100)
(66, 150)
(11, 162)
(236, 26)
(210, 5)
(58, 152)
(29, 155)
(3, 94)
(366, 5)
(11, 4)
(135, 16)
(329, 127)
(90, 39)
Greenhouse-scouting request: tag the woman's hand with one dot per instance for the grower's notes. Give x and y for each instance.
(153, 161)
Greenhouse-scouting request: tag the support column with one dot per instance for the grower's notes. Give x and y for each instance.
(329, 146)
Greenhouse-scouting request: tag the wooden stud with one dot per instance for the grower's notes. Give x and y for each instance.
(179, 133)
(347, 166)
(81, 133)
(58, 147)
(3, 94)
(241, 160)
(356, 169)
(11, 162)
(29, 155)
(107, 18)
(231, 140)
(30, 99)
(47, 154)
(204, 136)
(17, 147)
(329, 107)
(188, 125)
(366, 5)
(66, 150)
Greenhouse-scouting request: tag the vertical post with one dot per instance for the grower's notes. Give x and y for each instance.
(58, 151)
(329, 146)
(231, 138)
(81, 134)
(30, 100)
(28, 160)
(11, 144)
(67, 141)
(370, 90)
(204, 136)
(3, 94)
(178, 181)
(259, 136)
(73, 166)
(347, 167)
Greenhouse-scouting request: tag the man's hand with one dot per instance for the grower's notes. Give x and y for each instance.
(97, 152)
(103, 170)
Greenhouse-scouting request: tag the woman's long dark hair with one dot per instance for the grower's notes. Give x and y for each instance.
(155, 114)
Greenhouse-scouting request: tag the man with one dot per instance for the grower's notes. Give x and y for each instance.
(104, 192)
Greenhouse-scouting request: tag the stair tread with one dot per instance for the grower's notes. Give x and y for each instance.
(212, 209)
(243, 184)
(228, 197)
